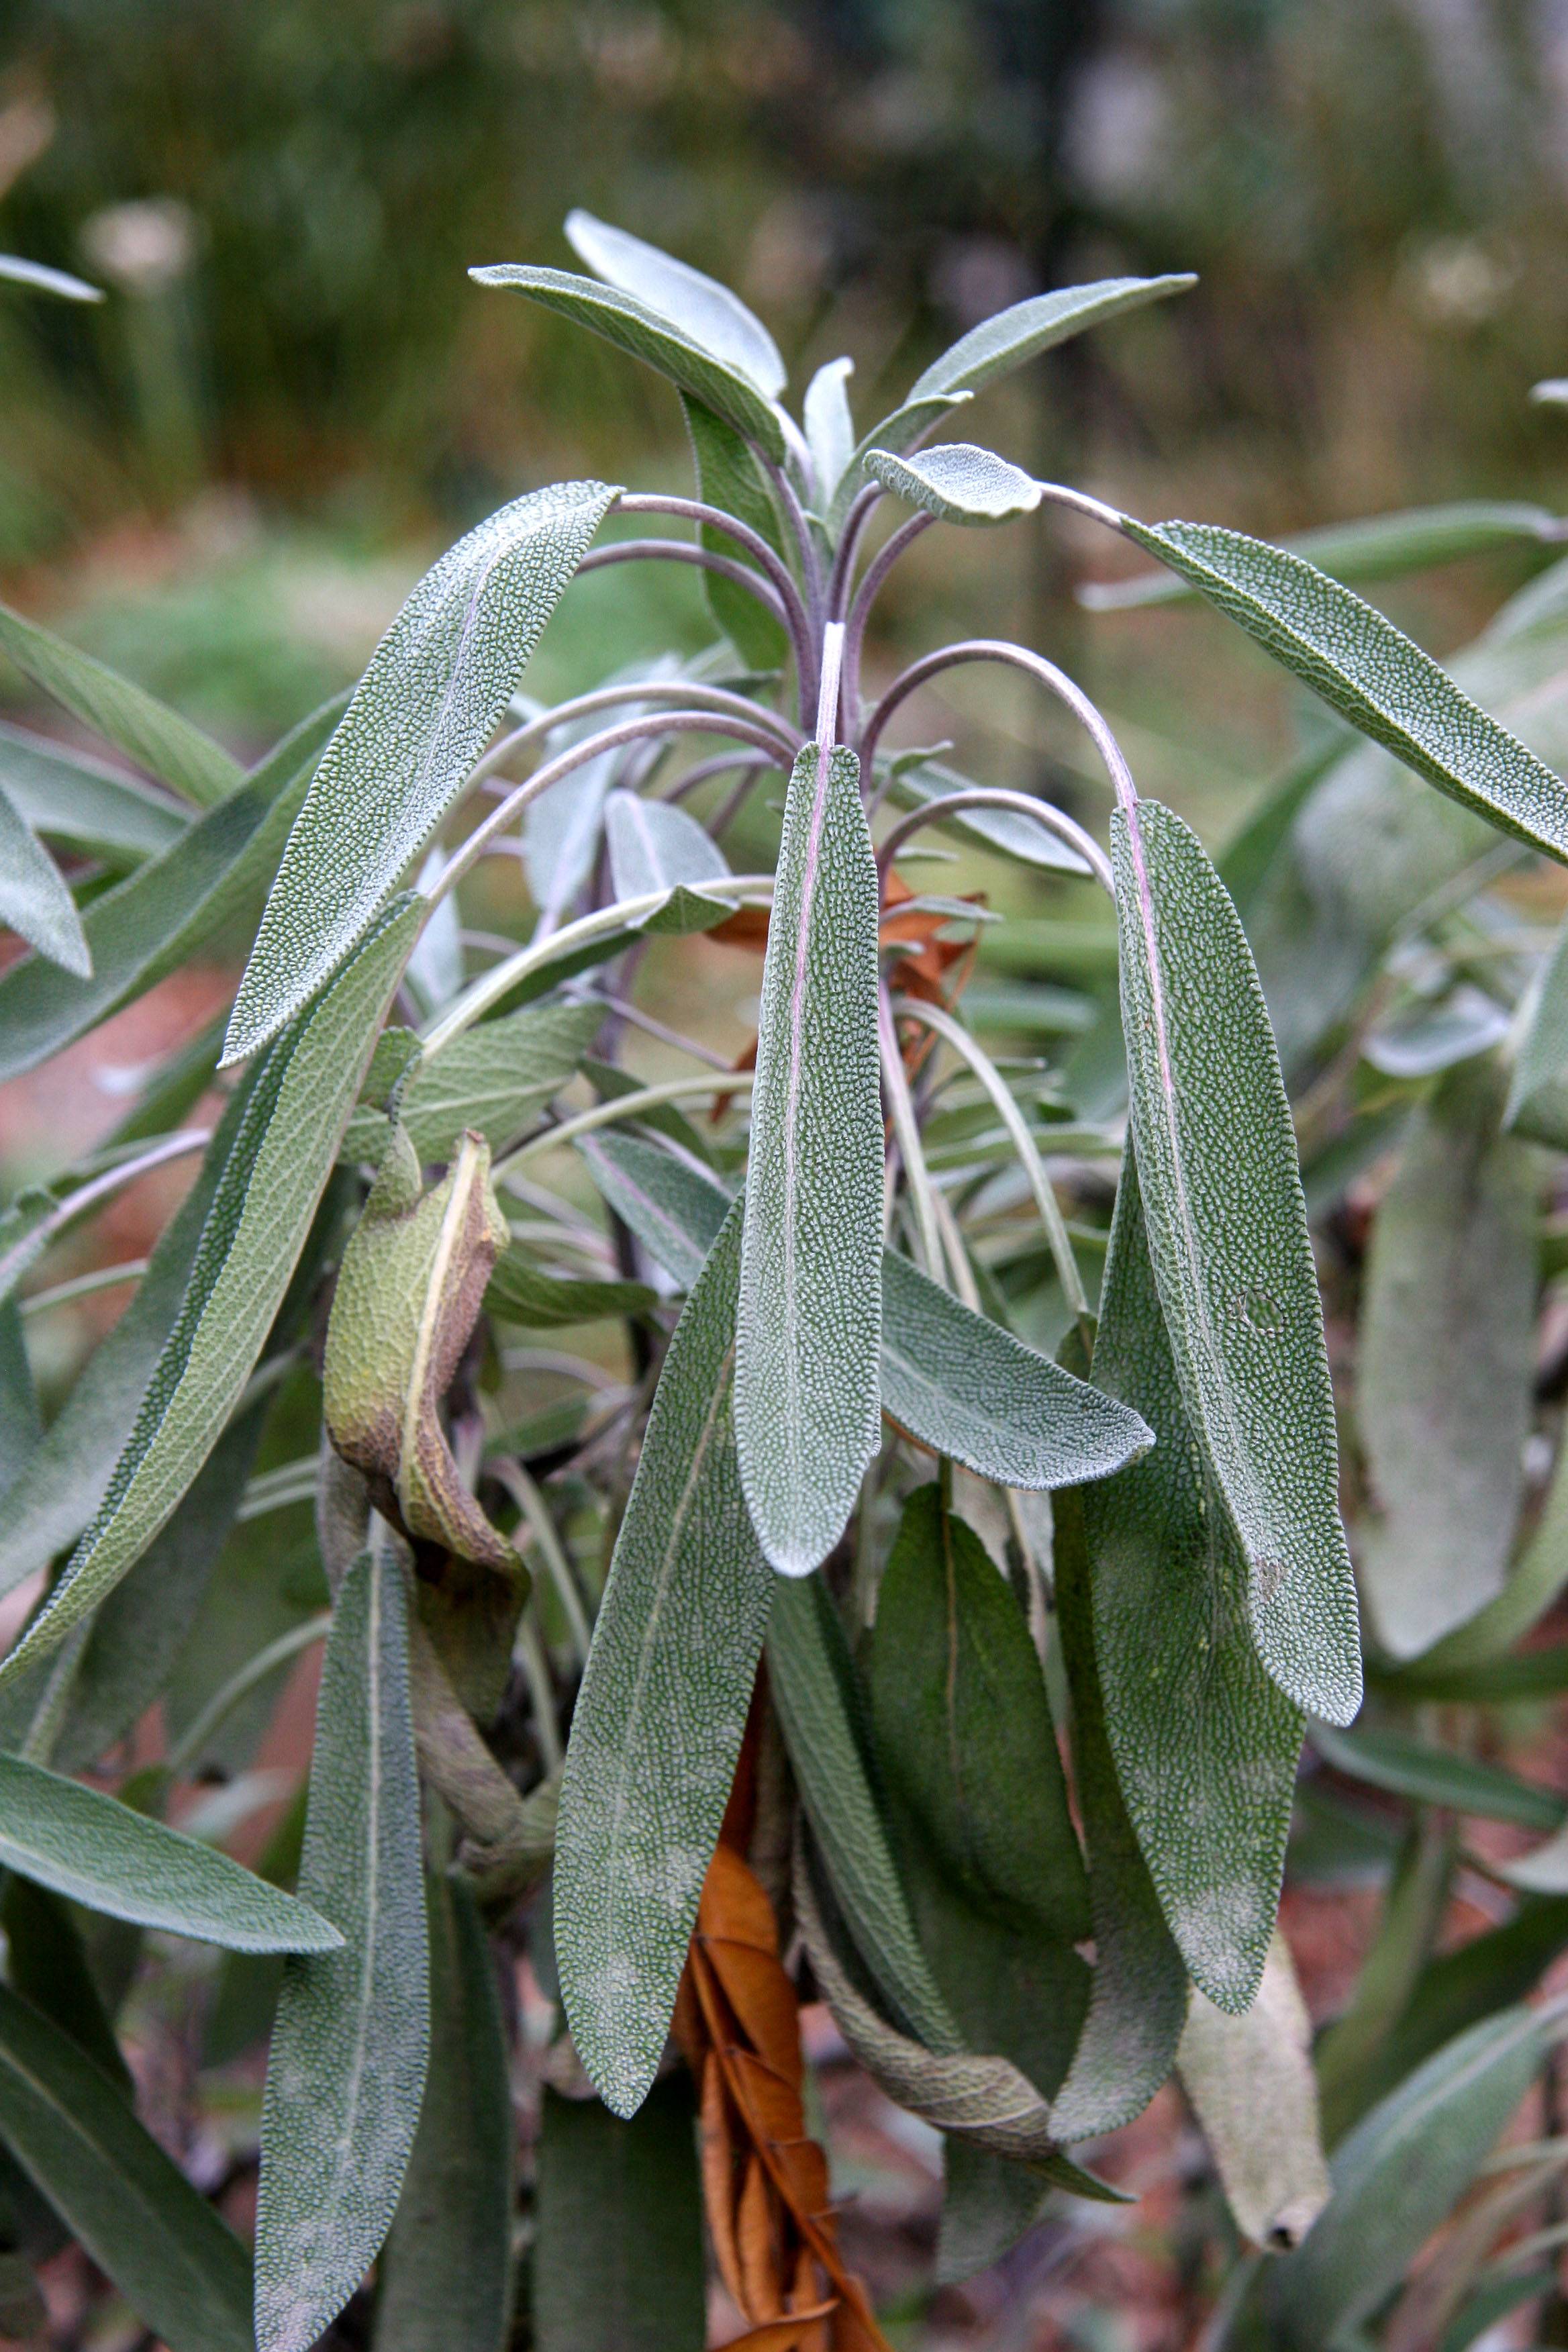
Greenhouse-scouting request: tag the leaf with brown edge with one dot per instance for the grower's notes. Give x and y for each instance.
(411, 1283)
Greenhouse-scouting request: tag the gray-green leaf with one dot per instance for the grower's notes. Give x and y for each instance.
(617, 2258)
(492, 1078)
(829, 426)
(1015, 837)
(729, 476)
(660, 1714)
(72, 799)
(1369, 672)
(346, 2075)
(281, 1155)
(957, 482)
(699, 305)
(1250, 2079)
(653, 847)
(1004, 341)
(1534, 1095)
(808, 1329)
(435, 688)
(1233, 1264)
(34, 900)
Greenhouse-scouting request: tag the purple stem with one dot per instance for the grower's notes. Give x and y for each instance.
(855, 522)
(866, 596)
(1053, 820)
(1054, 680)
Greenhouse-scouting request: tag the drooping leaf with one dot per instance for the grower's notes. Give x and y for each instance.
(1376, 547)
(658, 1720)
(1006, 339)
(346, 2075)
(914, 786)
(492, 1078)
(653, 847)
(617, 2258)
(630, 324)
(182, 2270)
(1446, 1364)
(34, 902)
(829, 426)
(408, 1294)
(105, 1854)
(84, 806)
(1227, 1230)
(444, 2278)
(1250, 2079)
(214, 873)
(1437, 1775)
(729, 477)
(1369, 672)
(145, 730)
(957, 482)
(1205, 1744)
(1397, 2175)
(699, 305)
(281, 1153)
(808, 1327)
(967, 1388)
(521, 1292)
(435, 689)
(1533, 1584)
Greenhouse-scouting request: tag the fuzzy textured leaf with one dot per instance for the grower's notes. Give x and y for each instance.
(957, 482)
(1015, 837)
(492, 1078)
(729, 477)
(34, 900)
(1250, 2079)
(1004, 341)
(346, 2075)
(653, 847)
(699, 305)
(435, 688)
(1233, 1264)
(829, 426)
(77, 801)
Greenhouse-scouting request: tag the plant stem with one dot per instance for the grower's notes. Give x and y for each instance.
(619, 1107)
(1054, 820)
(1036, 665)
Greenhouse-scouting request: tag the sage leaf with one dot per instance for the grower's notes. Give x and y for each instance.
(917, 785)
(1533, 1584)
(182, 2270)
(145, 730)
(1398, 2175)
(956, 482)
(409, 1293)
(519, 1291)
(653, 848)
(1369, 672)
(1250, 2079)
(82, 804)
(47, 1964)
(45, 281)
(212, 874)
(1226, 1230)
(966, 1388)
(1006, 339)
(729, 477)
(1437, 1775)
(280, 1153)
(1541, 1060)
(98, 1852)
(435, 688)
(907, 425)
(1205, 1743)
(829, 426)
(701, 308)
(660, 1714)
(492, 1078)
(987, 2205)
(346, 2075)
(444, 2278)
(1446, 1364)
(21, 1423)
(808, 1327)
(34, 900)
(674, 1207)
(633, 325)
(618, 2257)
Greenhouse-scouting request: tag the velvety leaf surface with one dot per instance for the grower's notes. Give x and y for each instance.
(1250, 2079)
(1205, 1744)
(180, 2269)
(1006, 340)
(729, 476)
(492, 1078)
(34, 900)
(808, 1327)
(618, 2260)
(84, 806)
(445, 2277)
(653, 847)
(829, 426)
(1369, 672)
(699, 305)
(1015, 837)
(435, 688)
(280, 1153)
(1233, 1264)
(346, 2076)
(957, 482)
(660, 1714)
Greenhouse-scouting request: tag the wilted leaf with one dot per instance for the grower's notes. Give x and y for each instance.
(436, 688)
(1226, 1232)
(617, 2259)
(346, 2075)
(1250, 2079)
(408, 1294)
(699, 305)
(34, 900)
(957, 482)
(808, 1327)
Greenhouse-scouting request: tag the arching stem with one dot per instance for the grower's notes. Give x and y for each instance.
(1036, 665)
(1051, 819)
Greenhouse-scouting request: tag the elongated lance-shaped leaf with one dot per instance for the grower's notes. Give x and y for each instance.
(1446, 1364)
(829, 426)
(699, 305)
(1369, 672)
(99, 1852)
(1233, 1264)
(967, 1388)
(435, 688)
(1540, 1063)
(1138, 1997)
(658, 1720)
(280, 1154)
(809, 1330)
(444, 2280)
(730, 477)
(180, 2268)
(346, 2075)
(145, 730)
(493, 1077)
(1006, 339)
(83, 804)
(1398, 2175)
(34, 900)
(46, 1963)
(520, 1291)
(634, 327)
(653, 847)
(1205, 1744)
(957, 482)
(1250, 2079)
(1428, 1775)
(617, 2255)
(212, 874)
